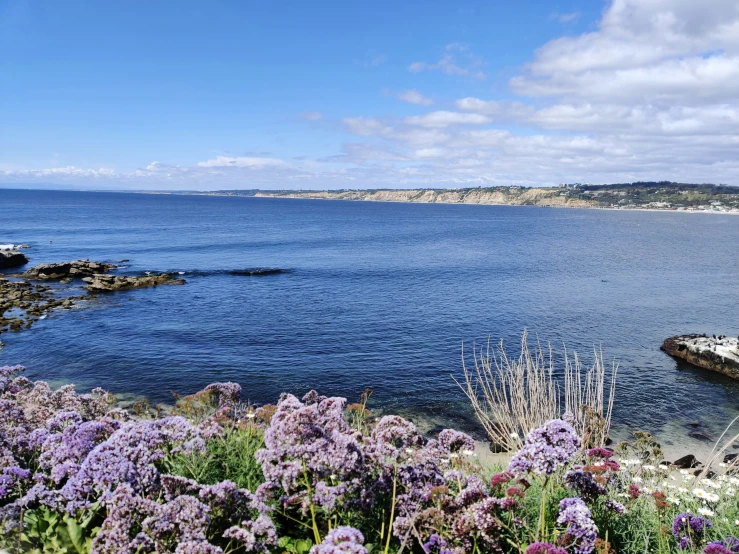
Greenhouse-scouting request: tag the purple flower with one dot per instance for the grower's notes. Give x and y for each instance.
(455, 441)
(615, 506)
(311, 444)
(545, 449)
(584, 484)
(688, 529)
(729, 545)
(342, 540)
(228, 393)
(544, 548)
(581, 528)
(602, 453)
(436, 545)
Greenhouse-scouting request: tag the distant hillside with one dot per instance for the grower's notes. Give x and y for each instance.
(641, 195)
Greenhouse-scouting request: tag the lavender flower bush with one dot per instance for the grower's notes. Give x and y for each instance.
(308, 476)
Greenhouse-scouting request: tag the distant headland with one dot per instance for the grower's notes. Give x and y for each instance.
(665, 196)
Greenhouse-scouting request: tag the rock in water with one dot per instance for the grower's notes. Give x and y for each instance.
(11, 258)
(717, 354)
(64, 270)
(108, 283)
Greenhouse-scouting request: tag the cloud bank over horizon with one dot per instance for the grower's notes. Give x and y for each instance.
(649, 92)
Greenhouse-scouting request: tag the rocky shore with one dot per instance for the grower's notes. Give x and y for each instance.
(24, 301)
(109, 283)
(67, 270)
(719, 354)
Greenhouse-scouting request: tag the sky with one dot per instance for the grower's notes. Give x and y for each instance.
(210, 95)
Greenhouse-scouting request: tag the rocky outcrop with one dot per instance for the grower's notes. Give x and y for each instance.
(66, 270)
(11, 258)
(715, 353)
(109, 283)
(22, 303)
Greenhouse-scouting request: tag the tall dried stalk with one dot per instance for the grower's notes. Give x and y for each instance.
(512, 396)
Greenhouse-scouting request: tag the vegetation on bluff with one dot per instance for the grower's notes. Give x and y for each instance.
(217, 476)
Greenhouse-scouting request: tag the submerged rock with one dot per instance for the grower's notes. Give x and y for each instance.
(715, 353)
(11, 258)
(65, 270)
(22, 303)
(108, 283)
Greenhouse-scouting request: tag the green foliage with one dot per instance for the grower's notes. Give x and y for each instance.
(230, 456)
(49, 532)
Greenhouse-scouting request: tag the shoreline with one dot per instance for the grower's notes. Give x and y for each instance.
(604, 208)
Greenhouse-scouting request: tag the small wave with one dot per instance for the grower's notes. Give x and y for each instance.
(247, 272)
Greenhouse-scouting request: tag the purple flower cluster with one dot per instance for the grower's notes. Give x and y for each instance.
(545, 449)
(581, 529)
(584, 484)
(342, 540)
(729, 545)
(544, 548)
(688, 529)
(228, 393)
(310, 454)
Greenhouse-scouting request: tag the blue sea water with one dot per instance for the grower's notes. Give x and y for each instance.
(378, 295)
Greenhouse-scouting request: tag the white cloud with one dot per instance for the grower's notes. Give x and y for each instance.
(312, 116)
(566, 17)
(363, 126)
(443, 119)
(449, 64)
(411, 96)
(241, 161)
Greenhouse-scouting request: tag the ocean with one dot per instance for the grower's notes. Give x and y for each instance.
(380, 295)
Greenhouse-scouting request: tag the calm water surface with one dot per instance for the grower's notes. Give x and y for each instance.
(380, 295)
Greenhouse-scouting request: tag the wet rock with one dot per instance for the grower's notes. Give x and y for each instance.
(687, 462)
(497, 448)
(700, 436)
(715, 353)
(67, 270)
(731, 458)
(434, 431)
(109, 283)
(11, 258)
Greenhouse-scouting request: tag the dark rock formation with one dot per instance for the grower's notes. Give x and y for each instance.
(109, 283)
(65, 270)
(715, 353)
(11, 258)
(687, 462)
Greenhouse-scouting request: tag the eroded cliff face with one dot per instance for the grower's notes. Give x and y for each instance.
(510, 197)
(715, 353)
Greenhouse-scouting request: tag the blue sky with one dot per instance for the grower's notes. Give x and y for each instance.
(209, 95)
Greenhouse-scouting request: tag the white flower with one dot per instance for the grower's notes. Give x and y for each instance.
(709, 483)
(670, 486)
(673, 500)
(700, 493)
(684, 471)
(673, 477)
(663, 466)
(647, 490)
(514, 435)
(688, 477)
(638, 479)
(409, 450)
(624, 495)
(736, 522)
(712, 497)
(250, 415)
(730, 492)
(469, 453)
(722, 464)
(682, 490)
(454, 455)
(705, 512)
(733, 480)
(648, 467)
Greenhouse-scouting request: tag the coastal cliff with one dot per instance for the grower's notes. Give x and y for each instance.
(510, 196)
(715, 353)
